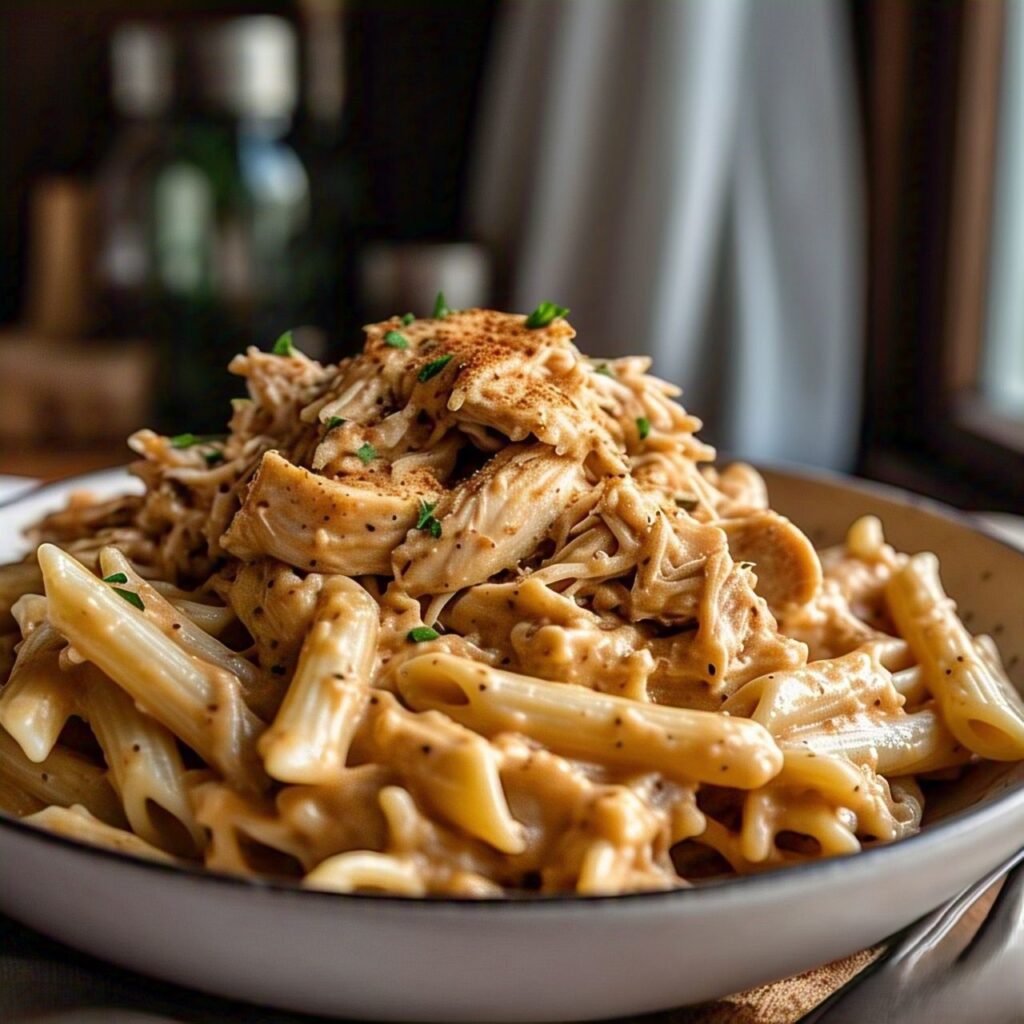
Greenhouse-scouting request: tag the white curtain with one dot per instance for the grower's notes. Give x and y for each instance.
(686, 176)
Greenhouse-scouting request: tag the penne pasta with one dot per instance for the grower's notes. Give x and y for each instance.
(77, 823)
(179, 627)
(16, 580)
(817, 692)
(892, 744)
(16, 801)
(366, 871)
(62, 777)
(448, 767)
(686, 745)
(40, 696)
(309, 739)
(145, 766)
(978, 703)
(197, 701)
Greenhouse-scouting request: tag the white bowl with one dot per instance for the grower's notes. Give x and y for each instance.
(563, 958)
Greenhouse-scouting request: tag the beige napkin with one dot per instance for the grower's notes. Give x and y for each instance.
(781, 1002)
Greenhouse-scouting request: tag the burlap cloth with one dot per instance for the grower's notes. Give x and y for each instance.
(41, 980)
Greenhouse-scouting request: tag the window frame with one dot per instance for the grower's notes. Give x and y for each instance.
(932, 185)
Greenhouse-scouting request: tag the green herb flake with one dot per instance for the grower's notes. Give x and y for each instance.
(131, 597)
(333, 422)
(284, 346)
(643, 427)
(421, 634)
(367, 453)
(605, 370)
(544, 314)
(441, 309)
(426, 514)
(426, 520)
(117, 577)
(408, 319)
(434, 367)
(213, 458)
(395, 339)
(190, 440)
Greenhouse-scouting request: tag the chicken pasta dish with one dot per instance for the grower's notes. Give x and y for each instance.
(472, 614)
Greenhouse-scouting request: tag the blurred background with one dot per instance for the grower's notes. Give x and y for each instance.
(808, 213)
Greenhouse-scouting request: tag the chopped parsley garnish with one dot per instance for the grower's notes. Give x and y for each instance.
(544, 314)
(434, 367)
(213, 458)
(643, 427)
(408, 318)
(334, 421)
(395, 339)
(426, 520)
(441, 309)
(421, 634)
(284, 346)
(605, 370)
(131, 597)
(190, 440)
(117, 577)
(367, 453)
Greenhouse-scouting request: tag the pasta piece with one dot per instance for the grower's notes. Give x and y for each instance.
(8, 642)
(879, 815)
(301, 827)
(683, 744)
(901, 744)
(29, 612)
(911, 686)
(210, 618)
(16, 579)
(978, 702)
(366, 871)
(77, 823)
(39, 697)
(146, 768)
(179, 628)
(15, 801)
(817, 692)
(449, 768)
(309, 739)
(198, 702)
(62, 777)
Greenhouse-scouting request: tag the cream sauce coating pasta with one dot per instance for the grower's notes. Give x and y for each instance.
(472, 614)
